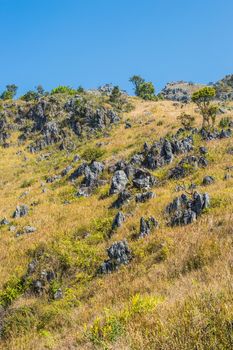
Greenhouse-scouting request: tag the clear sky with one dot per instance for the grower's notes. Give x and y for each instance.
(92, 42)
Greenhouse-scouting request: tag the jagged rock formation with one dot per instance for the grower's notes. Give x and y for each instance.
(180, 91)
(224, 88)
(57, 120)
(183, 210)
(119, 254)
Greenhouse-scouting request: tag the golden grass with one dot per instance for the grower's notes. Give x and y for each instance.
(189, 268)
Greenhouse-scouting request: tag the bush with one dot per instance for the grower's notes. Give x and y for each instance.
(186, 120)
(63, 90)
(10, 92)
(92, 153)
(146, 91)
(11, 291)
(143, 89)
(224, 122)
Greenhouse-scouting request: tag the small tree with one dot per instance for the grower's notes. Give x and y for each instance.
(143, 89)
(30, 96)
(10, 92)
(40, 90)
(115, 95)
(136, 80)
(146, 91)
(203, 99)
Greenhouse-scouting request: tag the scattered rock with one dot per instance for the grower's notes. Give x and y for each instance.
(208, 180)
(144, 197)
(123, 198)
(118, 220)
(4, 222)
(21, 210)
(58, 294)
(203, 150)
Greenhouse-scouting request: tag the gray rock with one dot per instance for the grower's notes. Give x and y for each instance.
(144, 197)
(184, 211)
(66, 170)
(4, 222)
(146, 225)
(119, 254)
(123, 198)
(119, 182)
(118, 220)
(203, 150)
(21, 210)
(143, 179)
(29, 229)
(58, 294)
(208, 180)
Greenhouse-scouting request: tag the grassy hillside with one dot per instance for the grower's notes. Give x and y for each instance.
(176, 292)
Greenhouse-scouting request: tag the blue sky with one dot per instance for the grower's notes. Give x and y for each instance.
(92, 42)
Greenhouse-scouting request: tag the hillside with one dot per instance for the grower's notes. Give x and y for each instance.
(80, 173)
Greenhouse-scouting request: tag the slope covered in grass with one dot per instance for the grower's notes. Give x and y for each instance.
(176, 292)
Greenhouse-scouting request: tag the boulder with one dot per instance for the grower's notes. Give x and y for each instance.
(207, 180)
(119, 182)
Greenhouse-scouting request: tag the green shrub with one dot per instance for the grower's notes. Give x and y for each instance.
(12, 290)
(186, 120)
(63, 90)
(224, 122)
(92, 153)
(27, 183)
(10, 92)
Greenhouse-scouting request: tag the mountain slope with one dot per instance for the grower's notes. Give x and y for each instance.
(175, 292)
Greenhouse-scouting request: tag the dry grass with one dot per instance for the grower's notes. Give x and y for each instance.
(189, 269)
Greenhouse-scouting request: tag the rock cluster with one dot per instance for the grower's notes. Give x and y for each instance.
(183, 210)
(119, 254)
(146, 225)
(180, 91)
(187, 165)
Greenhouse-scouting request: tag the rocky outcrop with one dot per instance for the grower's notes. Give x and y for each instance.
(119, 254)
(183, 210)
(224, 88)
(180, 91)
(146, 226)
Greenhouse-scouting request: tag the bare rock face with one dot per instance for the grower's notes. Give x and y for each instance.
(183, 210)
(119, 254)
